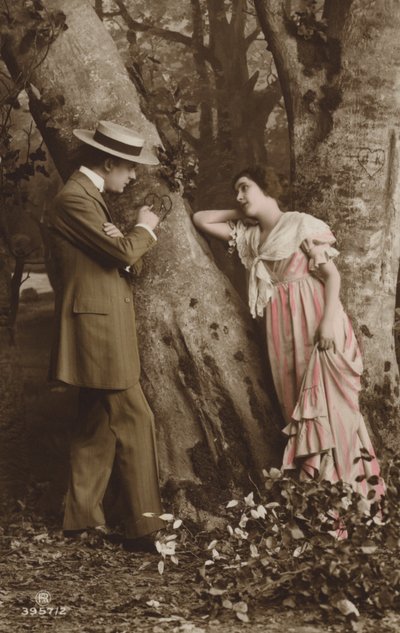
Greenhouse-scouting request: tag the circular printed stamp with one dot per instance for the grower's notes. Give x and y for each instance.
(43, 598)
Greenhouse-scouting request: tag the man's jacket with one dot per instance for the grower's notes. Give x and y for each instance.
(95, 335)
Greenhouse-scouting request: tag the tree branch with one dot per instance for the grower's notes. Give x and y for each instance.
(271, 95)
(197, 19)
(186, 135)
(238, 20)
(336, 13)
(272, 18)
(166, 34)
(252, 37)
(216, 17)
(206, 118)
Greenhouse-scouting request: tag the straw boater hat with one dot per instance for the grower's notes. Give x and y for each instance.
(119, 141)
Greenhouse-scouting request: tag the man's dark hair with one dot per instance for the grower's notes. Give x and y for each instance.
(92, 157)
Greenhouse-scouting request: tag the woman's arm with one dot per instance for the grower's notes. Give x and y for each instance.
(325, 332)
(215, 223)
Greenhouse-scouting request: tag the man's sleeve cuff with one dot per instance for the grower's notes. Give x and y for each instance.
(144, 226)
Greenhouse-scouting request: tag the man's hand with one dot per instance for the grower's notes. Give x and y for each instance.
(111, 230)
(147, 216)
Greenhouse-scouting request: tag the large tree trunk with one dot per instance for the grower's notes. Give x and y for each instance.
(13, 463)
(201, 360)
(341, 91)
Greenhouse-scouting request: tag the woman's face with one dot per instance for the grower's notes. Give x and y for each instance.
(250, 197)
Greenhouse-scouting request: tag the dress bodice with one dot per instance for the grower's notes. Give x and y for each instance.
(297, 242)
(293, 268)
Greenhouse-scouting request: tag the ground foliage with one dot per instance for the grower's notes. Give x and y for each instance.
(299, 543)
(278, 553)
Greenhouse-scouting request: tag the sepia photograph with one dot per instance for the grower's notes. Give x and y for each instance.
(199, 316)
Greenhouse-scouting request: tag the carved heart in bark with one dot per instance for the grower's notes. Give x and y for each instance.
(371, 160)
(162, 205)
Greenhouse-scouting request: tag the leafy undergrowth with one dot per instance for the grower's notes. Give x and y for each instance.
(277, 565)
(299, 544)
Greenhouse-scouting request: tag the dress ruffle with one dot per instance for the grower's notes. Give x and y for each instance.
(316, 448)
(309, 431)
(238, 240)
(318, 252)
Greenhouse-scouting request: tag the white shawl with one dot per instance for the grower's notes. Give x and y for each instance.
(285, 238)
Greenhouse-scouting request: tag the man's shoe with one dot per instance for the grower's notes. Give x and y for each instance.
(141, 544)
(101, 531)
(74, 533)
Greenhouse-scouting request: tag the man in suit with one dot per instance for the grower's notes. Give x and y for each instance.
(95, 346)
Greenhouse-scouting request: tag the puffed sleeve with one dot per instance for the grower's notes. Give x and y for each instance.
(241, 239)
(319, 249)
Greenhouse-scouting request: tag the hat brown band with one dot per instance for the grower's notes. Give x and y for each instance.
(118, 146)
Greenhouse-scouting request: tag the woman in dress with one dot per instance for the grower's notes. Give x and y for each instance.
(315, 360)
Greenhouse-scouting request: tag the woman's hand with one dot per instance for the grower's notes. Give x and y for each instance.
(325, 336)
(111, 230)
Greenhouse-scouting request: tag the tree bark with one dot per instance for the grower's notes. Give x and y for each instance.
(341, 93)
(202, 364)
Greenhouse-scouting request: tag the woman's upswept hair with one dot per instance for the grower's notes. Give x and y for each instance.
(264, 177)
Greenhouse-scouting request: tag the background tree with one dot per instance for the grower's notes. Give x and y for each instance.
(200, 354)
(339, 66)
(205, 79)
(17, 243)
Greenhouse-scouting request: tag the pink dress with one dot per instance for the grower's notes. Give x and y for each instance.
(318, 390)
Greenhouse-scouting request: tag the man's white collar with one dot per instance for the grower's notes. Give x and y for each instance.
(96, 179)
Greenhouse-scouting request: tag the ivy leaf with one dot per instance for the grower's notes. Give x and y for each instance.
(240, 607)
(368, 549)
(347, 608)
(254, 551)
(214, 591)
(363, 506)
(296, 533)
(275, 473)
(289, 602)
(271, 542)
(249, 500)
(242, 616)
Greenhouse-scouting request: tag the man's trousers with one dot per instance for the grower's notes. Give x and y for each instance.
(113, 425)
